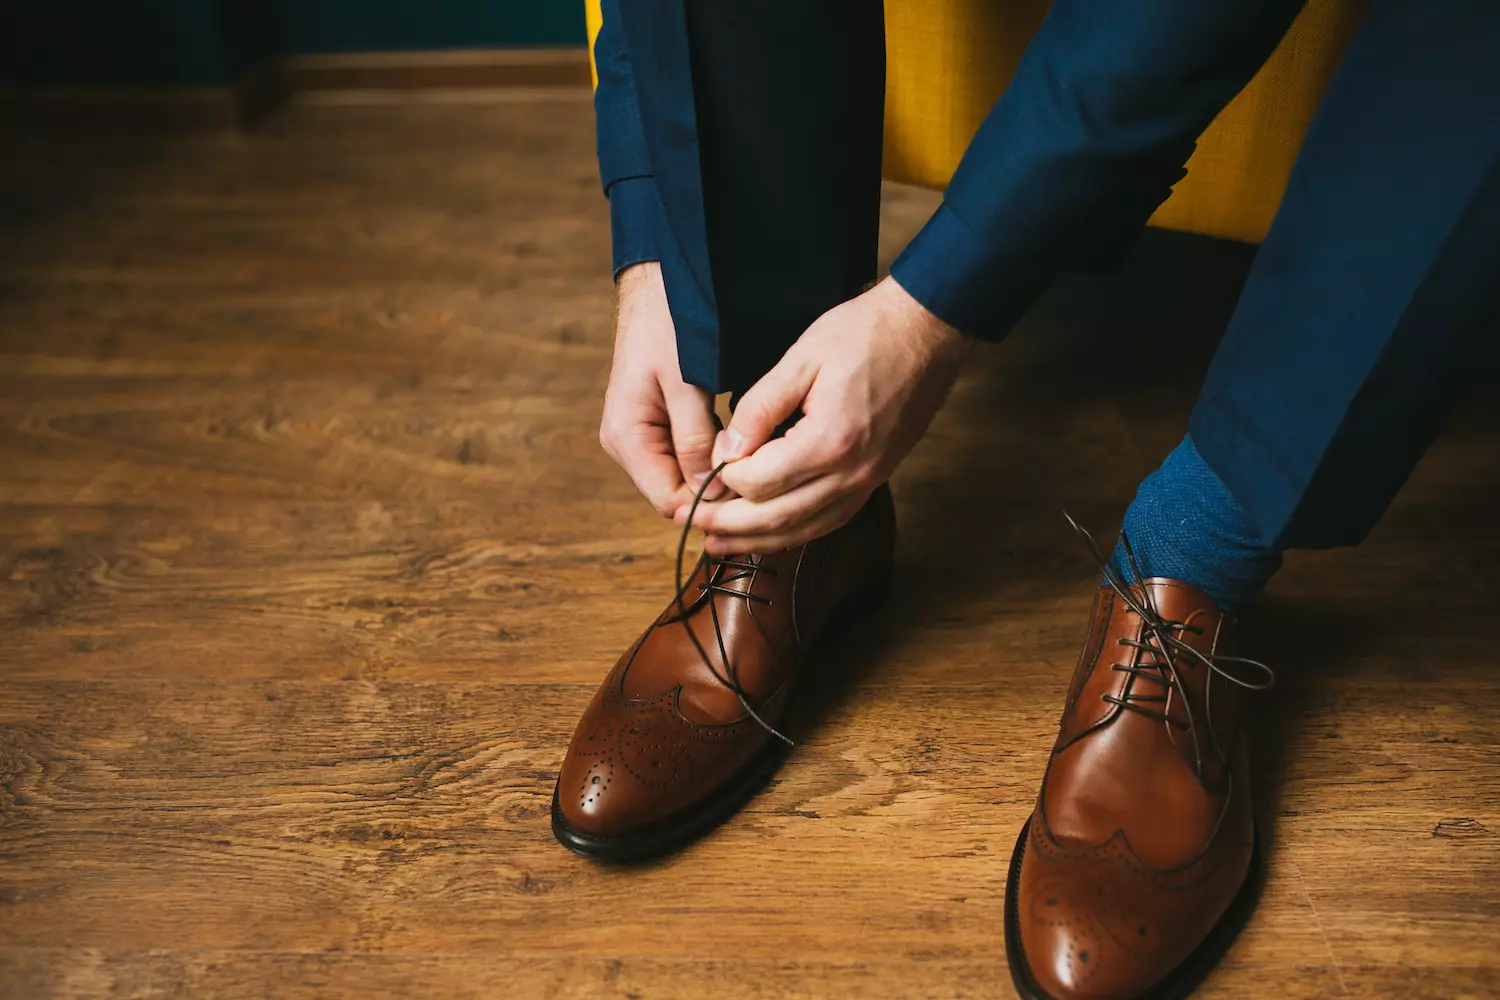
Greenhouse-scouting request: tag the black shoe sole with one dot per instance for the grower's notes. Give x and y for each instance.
(1178, 983)
(675, 831)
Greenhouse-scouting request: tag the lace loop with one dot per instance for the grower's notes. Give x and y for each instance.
(1161, 639)
(717, 584)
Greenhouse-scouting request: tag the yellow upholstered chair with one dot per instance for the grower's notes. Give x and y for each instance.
(948, 60)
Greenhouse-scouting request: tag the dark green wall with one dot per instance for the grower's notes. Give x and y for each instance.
(141, 43)
(364, 25)
(196, 43)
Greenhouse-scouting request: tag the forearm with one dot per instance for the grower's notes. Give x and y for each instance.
(1088, 139)
(624, 168)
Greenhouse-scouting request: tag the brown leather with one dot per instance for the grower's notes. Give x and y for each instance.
(1142, 834)
(663, 733)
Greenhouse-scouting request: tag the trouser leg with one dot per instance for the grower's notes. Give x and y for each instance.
(764, 123)
(1375, 292)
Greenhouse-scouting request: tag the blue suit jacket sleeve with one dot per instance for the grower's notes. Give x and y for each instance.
(635, 212)
(1082, 147)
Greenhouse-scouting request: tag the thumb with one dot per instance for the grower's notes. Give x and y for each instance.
(694, 426)
(764, 408)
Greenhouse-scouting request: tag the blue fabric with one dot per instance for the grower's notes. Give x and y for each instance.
(1362, 317)
(761, 127)
(635, 220)
(1377, 290)
(618, 129)
(635, 213)
(1184, 524)
(646, 126)
(1082, 147)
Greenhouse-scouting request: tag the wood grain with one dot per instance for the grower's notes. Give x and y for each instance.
(309, 560)
(443, 68)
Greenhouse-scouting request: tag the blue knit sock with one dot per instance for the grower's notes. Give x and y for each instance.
(1185, 525)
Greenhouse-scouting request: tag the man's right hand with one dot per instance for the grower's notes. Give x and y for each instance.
(658, 428)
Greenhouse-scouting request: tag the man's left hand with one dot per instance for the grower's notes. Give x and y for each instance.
(868, 376)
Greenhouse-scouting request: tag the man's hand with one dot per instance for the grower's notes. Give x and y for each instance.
(868, 376)
(657, 427)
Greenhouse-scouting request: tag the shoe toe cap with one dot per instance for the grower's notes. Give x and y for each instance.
(622, 775)
(1083, 942)
(1069, 963)
(593, 793)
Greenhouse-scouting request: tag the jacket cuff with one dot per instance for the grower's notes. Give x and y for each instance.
(976, 288)
(635, 221)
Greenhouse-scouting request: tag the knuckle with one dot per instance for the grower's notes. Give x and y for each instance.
(777, 521)
(609, 435)
(725, 528)
(866, 477)
(843, 440)
(755, 492)
(783, 524)
(695, 443)
(662, 505)
(759, 412)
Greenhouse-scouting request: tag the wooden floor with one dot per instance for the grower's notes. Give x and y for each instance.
(309, 560)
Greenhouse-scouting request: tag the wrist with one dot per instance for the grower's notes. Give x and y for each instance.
(638, 288)
(911, 315)
(634, 276)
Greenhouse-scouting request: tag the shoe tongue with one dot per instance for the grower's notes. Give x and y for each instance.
(756, 635)
(726, 573)
(1120, 769)
(1184, 603)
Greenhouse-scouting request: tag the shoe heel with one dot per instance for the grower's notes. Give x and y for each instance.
(867, 600)
(858, 607)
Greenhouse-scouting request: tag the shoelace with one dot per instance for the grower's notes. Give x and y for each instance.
(1161, 637)
(718, 572)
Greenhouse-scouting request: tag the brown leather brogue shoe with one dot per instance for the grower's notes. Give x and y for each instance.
(681, 733)
(1139, 863)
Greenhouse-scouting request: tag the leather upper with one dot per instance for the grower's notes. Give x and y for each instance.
(1142, 833)
(662, 732)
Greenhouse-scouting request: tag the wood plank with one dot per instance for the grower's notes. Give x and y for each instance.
(278, 815)
(309, 560)
(441, 68)
(129, 975)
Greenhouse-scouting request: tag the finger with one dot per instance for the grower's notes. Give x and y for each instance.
(829, 520)
(773, 517)
(690, 411)
(764, 408)
(725, 545)
(649, 461)
(804, 453)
